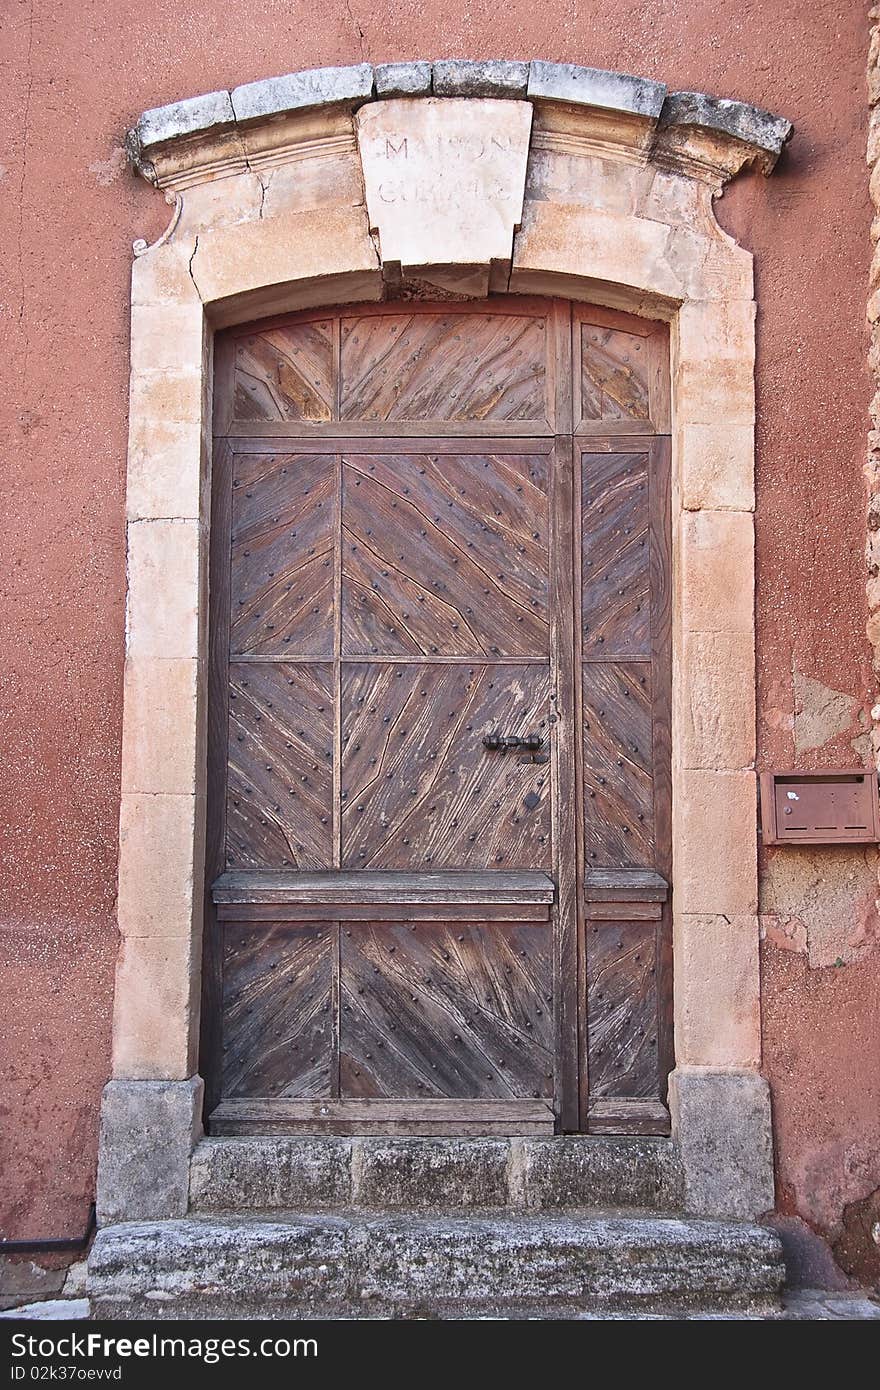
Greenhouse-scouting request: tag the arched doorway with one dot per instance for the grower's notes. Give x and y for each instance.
(439, 832)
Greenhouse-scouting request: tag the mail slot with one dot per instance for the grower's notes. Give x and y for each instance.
(820, 808)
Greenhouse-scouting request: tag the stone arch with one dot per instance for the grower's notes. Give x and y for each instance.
(460, 179)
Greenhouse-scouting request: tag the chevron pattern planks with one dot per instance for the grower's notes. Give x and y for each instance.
(445, 554)
(286, 374)
(446, 1011)
(451, 366)
(419, 790)
(440, 523)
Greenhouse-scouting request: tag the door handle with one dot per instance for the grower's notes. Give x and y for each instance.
(500, 743)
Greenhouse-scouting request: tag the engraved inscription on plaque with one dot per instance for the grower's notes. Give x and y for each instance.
(445, 178)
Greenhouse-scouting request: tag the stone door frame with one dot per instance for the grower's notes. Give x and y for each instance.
(564, 182)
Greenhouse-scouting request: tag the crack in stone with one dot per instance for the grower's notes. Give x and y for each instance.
(192, 272)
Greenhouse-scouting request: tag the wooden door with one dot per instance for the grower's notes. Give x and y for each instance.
(438, 745)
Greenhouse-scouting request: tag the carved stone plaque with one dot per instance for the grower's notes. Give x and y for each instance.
(445, 178)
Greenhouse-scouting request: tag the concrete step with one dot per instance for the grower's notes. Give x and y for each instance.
(434, 1174)
(360, 1266)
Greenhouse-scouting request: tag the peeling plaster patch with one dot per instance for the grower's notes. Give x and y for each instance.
(786, 933)
(821, 903)
(107, 171)
(820, 713)
(824, 1179)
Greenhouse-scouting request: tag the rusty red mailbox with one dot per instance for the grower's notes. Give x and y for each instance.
(832, 807)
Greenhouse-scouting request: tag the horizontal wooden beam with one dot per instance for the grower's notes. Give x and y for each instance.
(335, 887)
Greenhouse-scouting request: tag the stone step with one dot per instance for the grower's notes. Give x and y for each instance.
(434, 1174)
(360, 1266)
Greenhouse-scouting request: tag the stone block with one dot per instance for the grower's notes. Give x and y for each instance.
(750, 124)
(160, 732)
(165, 474)
(156, 1007)
(578, 1265)
(714, 700)
(717, 994)
(714, 842)
(232, 262)
(297, 1174)
(166, 337)
(457, 77)
(170, 397)
(717, 571)
(300, 91)
(611, 91)
(444, 179)
(193, 116)
(628, 253)
(148, 1129)
(715, 388)
(716, 467)
(164, 589)
(431, 1174)
(712, 329)
(402, 79)
(723, 1125)
(593, 1171)
(161, 275)
(160, 864)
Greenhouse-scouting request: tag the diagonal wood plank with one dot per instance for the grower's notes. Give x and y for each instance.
(616, 555)
(285, 373)
(622, 1009)
(618, 765)
(615, 371)
(279, 811)
(419, 790)
(278, 1021)
(445, 554)
(435, 1010)
(282, 554)
(425, 366)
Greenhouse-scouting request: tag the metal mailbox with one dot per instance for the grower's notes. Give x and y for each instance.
(833, 807)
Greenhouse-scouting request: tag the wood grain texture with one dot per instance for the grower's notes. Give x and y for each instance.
(445, 554)
(618, 765)
(443, 366)
(285, 373)
(419, 790)
(615, 374)
(278, 1021)
(282, 554)
(280, 777)
(446, 1011)
(410, 1116)
(622, 1009)
(493, 888)
(616, 559)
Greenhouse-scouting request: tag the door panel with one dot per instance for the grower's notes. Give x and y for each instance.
(446, 366)
(282, 554)
(616, 559)
(278, 1035)
(622, 1009)
(434, 1010)
(279, 811)
(286, 373)
(445, 554)
(419, 790)
(618, 764)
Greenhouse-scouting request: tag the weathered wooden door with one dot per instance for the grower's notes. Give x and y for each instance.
(438, 790)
